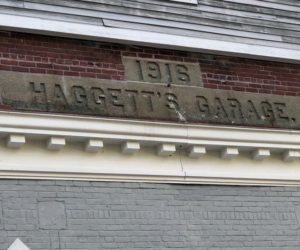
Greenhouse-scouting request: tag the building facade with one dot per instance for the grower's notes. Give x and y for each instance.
(149, 124)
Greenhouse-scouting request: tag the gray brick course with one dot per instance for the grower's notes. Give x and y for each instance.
(85, 215)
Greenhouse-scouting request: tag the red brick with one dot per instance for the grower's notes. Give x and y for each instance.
(163, 57)
(90, 75)
(61, 56)
(44, 65)
(36, 70)
(238, 88)
(27, 64)
(252, 90)
(104, 76)
(145, 55)
(6, 67)
(9, 62)
(19, 69)
(61, 67)
(108, 71)
(54, 71)
(71, 73)
(224, 87)
(78, 69)
(190, 60)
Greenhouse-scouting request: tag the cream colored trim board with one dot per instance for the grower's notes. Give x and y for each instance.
(150, 179)
(75, 128)
(129, 36)
(44, 146)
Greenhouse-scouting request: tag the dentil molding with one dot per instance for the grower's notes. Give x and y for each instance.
(52, 146)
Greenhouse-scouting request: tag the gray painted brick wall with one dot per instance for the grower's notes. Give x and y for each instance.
(83, 215)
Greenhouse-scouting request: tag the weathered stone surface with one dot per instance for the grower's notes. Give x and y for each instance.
(162, 71)
(186, 104)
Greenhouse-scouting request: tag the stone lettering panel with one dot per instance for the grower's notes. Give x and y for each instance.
(137, 100)
(162, 71)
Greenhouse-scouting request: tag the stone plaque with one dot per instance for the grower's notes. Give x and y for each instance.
(137, 100)
(162, 71)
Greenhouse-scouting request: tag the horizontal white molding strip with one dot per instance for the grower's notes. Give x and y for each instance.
(129, 36)
(35, 162)
(128, 150)
(76, 128)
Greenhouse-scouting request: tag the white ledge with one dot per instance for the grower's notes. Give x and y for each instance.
(129, 36)
(196, 151)
(166, 149)
(184, 142)
(15, 141)
(56, 143)
(261, 153)
(119, 130)
(93, 145)
(229, 152)
(130, 147)
(290, 155)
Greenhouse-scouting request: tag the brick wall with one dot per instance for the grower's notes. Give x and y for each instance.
(98, 215)
(50, 55)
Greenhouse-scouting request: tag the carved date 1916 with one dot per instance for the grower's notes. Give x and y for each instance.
(162, 71)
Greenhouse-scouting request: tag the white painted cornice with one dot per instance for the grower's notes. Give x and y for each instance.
(128, 36)
(48, 146)
(76, 128)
